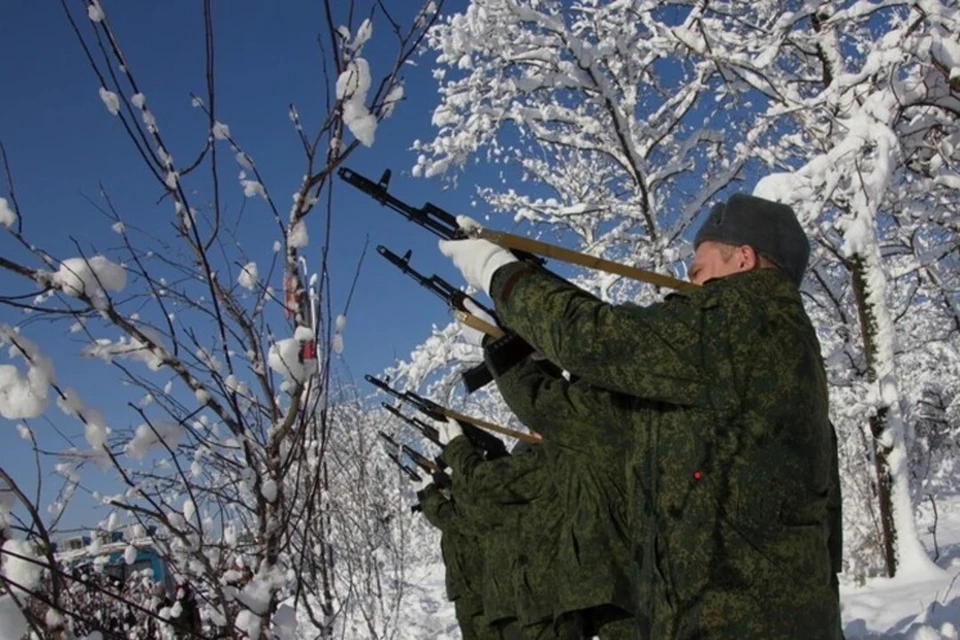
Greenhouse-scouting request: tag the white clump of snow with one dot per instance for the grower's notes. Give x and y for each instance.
(132, 348)
(336, 343)
(24, 396)
(252, 188)
(220, 131)
(189, 509)
(94, 11)
(341, 322)
(90, 277)
(145, 438)
(249, 623)
(248, 276)
(138, 100)
(118, 227)
(110, 100)
(352, 87)
(13, 624)
(303, 334)
(269, 490)
(130, 554)
(7, 215)
(298, 236)
(284, 358)
(285, 622)
(277, 246)
(21, 566)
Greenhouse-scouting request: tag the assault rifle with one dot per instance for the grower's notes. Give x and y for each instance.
(475, 429)
(478, 376)
(510, 348)
(444, 225)
(422, 427)
(407, 471)
(441, 479)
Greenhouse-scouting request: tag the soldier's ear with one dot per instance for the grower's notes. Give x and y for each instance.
(747, 258)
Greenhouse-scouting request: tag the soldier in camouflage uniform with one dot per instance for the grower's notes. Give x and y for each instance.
(732, 483)
(462, 559)
(516, 498)
(590, 579)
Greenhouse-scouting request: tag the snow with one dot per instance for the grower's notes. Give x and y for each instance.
(13, 624)
(138, 100)
(220, 131)
(252, 188)
(248, 276)
(24, 571)
(90, 277)
(298, 236)
(117, 227)
(269, 490)
(284, 358)
(24, 395)
(110, 100)
(130, 554)
(341, 323)
(163, 432)
(352, 87)
(7, 215)
(94, 11)
(336, 343)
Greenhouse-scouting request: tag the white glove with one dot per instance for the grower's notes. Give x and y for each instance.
(471, 335)
(477, 260)
(449, 430)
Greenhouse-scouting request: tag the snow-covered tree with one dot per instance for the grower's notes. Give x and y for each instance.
(242, 466)
(612, 124)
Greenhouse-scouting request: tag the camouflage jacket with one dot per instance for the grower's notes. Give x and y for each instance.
(462, 555)
(592, 566)
(731, 480)
(519, 489)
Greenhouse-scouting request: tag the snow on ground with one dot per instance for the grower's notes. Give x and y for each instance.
(912, 607)
(427, 614)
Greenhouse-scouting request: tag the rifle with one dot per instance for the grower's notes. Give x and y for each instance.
(422, 427)
(444, 225)
(407, 471)
(441, 479)
(473, 428)
(475, 377)
(511, 348)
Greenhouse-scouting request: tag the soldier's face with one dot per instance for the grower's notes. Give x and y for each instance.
(716, 260)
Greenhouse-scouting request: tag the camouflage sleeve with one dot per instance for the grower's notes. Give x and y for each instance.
(507, 480)
(437, 508)
(564, 412)
(651, 352)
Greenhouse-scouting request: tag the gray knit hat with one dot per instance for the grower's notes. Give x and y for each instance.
(771, 228)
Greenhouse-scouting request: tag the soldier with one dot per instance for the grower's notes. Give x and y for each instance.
(517, 498)
(590, 581)
(732, 484)
(462, 558)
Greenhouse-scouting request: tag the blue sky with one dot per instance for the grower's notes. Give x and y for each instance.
(62, 142)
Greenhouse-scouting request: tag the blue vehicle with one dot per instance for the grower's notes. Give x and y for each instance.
(79, 552)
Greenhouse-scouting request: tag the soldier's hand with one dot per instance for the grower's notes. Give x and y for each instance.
(477, 260)
(449, 430)
(471, 335)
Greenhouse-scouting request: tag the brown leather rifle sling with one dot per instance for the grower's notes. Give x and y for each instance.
(520, 243)
(490, 426)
